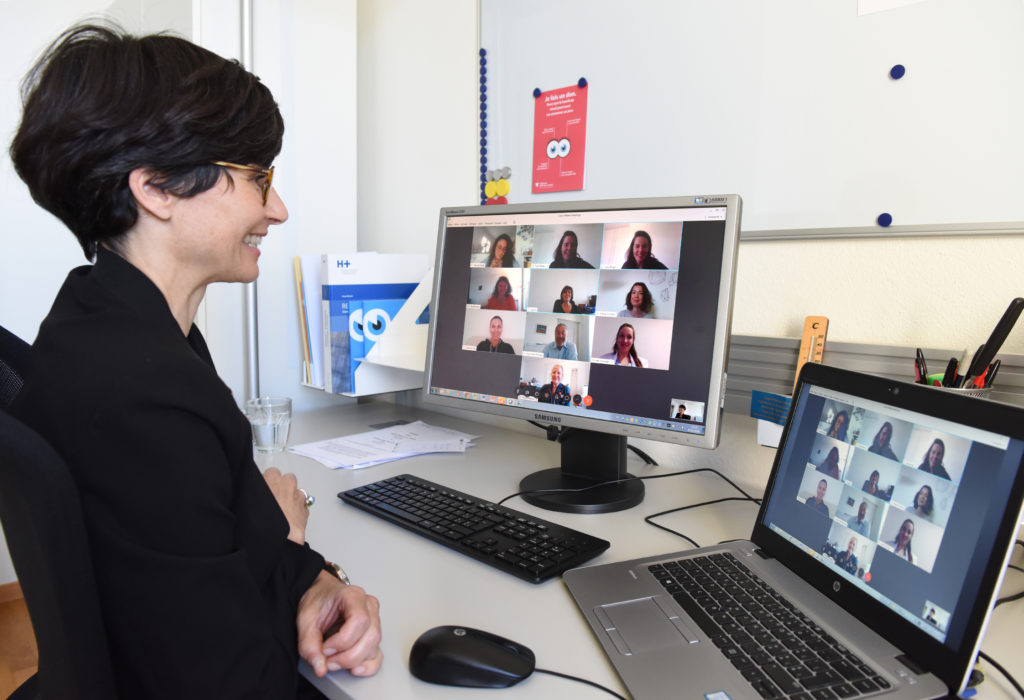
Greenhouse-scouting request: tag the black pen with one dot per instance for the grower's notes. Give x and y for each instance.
(921, 368)
(999, 334)
(990, 376)
(949, 377)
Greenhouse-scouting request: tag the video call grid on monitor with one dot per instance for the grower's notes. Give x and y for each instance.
(546, 308)
(897, 521)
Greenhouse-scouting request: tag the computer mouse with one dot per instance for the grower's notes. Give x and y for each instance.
(463, 656)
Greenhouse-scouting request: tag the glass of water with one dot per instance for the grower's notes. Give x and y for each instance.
(270, 417)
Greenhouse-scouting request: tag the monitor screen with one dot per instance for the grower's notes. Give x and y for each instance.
(609, 318)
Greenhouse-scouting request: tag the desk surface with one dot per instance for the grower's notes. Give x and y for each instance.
(422, 584)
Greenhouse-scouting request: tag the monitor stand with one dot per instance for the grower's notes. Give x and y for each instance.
(588, 458)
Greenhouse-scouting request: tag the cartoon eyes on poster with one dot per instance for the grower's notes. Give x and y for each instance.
(559, 138)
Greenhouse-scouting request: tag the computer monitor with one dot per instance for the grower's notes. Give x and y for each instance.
(607, 318)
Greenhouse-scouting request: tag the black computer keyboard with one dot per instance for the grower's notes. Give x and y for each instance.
(777, 648)
(519, 544)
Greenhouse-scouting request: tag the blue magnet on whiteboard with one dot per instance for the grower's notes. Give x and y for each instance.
(483, 52)
(536, 92)
(582, 82)
(897, 71)
(483, 169)
(483, 90)
(884, 219)
(483, 142)
(483, 70)
(483, 61)
(483, 151)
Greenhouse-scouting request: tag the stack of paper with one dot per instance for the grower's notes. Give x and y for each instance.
(387, 445)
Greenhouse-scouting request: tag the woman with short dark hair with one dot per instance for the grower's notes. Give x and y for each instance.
(157, 154)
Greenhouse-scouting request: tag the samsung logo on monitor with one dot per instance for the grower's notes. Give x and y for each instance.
(542, 416)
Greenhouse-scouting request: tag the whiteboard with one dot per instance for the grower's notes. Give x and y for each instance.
(788, 103)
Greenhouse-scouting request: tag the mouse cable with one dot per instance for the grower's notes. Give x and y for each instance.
(1006, 674)
(1014, 566)
(581, 680)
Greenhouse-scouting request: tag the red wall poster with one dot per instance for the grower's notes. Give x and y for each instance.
(559, 139)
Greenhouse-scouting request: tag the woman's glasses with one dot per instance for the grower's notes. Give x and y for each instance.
(267, 173)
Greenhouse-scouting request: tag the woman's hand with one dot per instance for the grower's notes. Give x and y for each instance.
(355, 646)
(291, 500)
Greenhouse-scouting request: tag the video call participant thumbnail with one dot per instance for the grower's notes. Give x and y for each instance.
(624, 350)
(494, 343)
(555, 392)
(560, 348)
(566, 254)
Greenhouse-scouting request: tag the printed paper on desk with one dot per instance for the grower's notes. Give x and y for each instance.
(378, 446)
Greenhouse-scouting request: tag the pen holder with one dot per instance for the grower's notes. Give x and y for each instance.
(966, 391)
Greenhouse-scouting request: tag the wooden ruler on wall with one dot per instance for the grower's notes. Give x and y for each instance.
(812, 343)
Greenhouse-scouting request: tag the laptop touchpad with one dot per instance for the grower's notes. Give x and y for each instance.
(646, 624)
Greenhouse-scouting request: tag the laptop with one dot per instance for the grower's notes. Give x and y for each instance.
(885, 530)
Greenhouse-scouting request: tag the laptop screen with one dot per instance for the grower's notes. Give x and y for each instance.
(900, 502)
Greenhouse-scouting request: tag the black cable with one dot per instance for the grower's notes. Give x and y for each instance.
(1008, 599)
(1006, 674)
(631, 478)
(1014, 566)
(643, 455)
(581, 680)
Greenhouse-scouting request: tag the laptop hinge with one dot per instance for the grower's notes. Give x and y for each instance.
(911, 664)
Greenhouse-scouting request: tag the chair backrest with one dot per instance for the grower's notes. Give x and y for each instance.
(13, 364)
(42, 519)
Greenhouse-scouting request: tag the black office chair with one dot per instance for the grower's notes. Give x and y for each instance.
(13, 363)
(42, 519)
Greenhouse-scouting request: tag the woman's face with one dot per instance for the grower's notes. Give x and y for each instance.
(636, 296)
(884, 434)
(567, 248)
(502, 288)
(566, 295)
(935, 455)
(624, 340)
(905, 533)
(641, 249)
(874, 478)
(840, 419)
(496, 327)
(499, 249)
(922, 497)
(222, 228)
(556, 375)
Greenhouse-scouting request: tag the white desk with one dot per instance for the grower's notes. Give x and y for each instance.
(422, 584)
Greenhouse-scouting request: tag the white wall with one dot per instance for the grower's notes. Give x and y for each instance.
(417, 119)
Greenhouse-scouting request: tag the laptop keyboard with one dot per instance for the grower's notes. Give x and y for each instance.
(778, 649)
